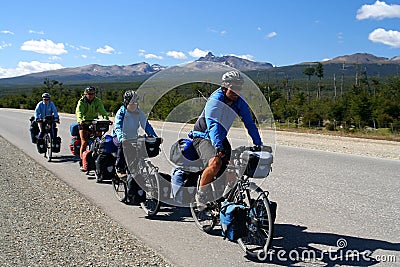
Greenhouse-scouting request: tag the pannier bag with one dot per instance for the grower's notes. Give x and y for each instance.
(75, 146)
(34, 129)
(101, 126)
(258, 164)
(106, 145)
(152, 146)
(88, 163)
(136, 194)
(41, 146)
(233, 220)
(183, 184)
(184, 154)
(258, 211)
(165, 186)
(56, 144)
(73, 129)
(105, 169)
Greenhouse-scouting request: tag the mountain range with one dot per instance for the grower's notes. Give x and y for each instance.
(141, 71)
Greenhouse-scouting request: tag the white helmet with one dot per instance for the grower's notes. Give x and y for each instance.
(45, 95)
(232, 76)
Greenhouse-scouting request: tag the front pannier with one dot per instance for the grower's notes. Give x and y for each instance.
(258, 164)
(151, 145)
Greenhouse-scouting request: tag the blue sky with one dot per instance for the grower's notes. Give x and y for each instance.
(45, 35)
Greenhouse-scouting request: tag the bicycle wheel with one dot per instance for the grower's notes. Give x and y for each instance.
(259, 224)
(151, 185)
(120, 188)
(49, 147)
(207, 218)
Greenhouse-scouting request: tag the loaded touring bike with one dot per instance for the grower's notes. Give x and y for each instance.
(97, 131)
(256, 231)
(49, 143)
(141, 184)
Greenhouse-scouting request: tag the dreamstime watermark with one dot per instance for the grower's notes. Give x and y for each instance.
(333, 254)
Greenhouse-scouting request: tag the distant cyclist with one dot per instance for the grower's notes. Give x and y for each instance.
(127, 122)
(88, 108)
(45, 108)
(211, 129)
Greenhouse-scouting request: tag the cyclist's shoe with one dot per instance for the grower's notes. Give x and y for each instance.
(82, 169)
(201, 201)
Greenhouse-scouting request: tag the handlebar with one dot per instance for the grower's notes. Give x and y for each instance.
(140, 137)
(96, 121)
(239, 150)
(49, 119)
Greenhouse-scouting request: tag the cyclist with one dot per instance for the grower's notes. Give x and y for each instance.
(127, 121)
(88, 109)
(212, 126)
(46, 108)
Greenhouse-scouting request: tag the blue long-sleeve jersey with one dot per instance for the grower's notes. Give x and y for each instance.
(127, 124)
(217, 118)
(42, 109)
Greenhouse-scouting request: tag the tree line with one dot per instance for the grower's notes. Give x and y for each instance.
(366, 103)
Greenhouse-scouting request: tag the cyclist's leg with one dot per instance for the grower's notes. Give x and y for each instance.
(41, 129)
(84, 135)
(120, 164)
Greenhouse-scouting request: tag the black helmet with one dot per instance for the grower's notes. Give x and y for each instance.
(45, 95)
(130, 96)
(90, 89)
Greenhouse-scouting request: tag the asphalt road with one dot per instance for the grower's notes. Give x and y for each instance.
(332, 208)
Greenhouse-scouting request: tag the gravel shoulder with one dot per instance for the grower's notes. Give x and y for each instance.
(341, 144)
(44, 222)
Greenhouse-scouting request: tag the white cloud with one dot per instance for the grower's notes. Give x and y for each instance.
(4, 45)
(152, 56)
(390, 38)
(176, 54)
(148, 56)
(54, 58)
(44, 47)
(78, 48)
(84, 56)
(196, 53)
(271, 34)
(379, 10)
(221, 32)
(7, 32)
(248, 57)
(27, 68)
(105, 50)
(36, 32)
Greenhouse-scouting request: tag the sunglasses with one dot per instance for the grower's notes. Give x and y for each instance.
(90, 93)
(46, 99)
(236, 87)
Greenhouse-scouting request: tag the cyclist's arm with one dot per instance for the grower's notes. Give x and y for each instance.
(55, 112)
(144, 123)
(79, 112)
(119, 122)
(248, 121)
(102, 110)
(212, 114)
(38, 111)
